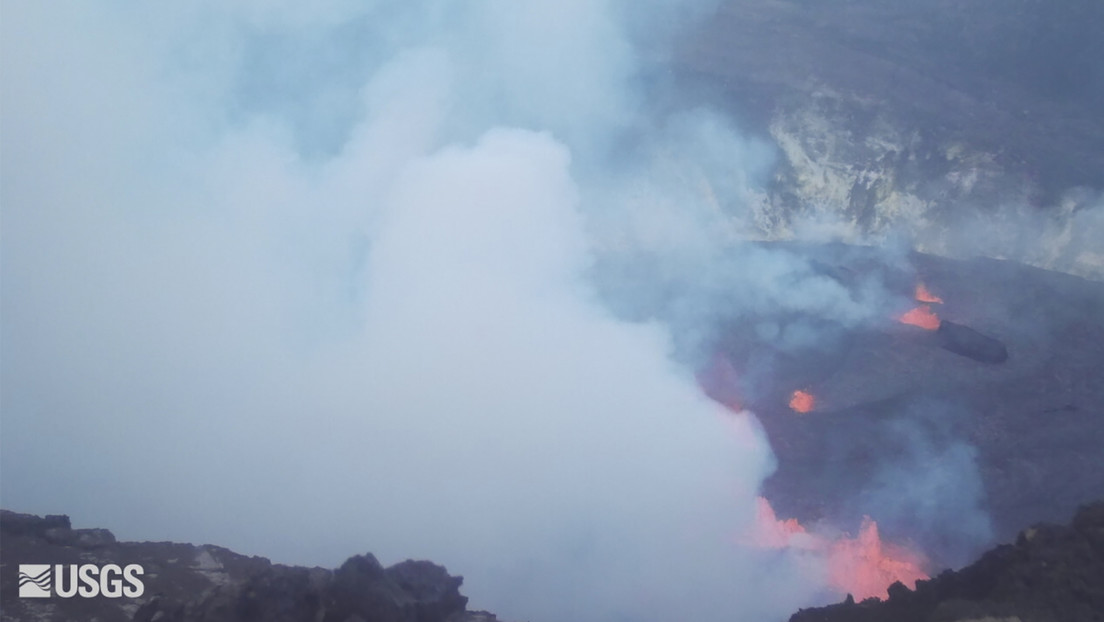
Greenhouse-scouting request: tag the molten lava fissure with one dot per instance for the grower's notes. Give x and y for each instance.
(802, 401)
(921, 316)
(923, 295)
(863, 566)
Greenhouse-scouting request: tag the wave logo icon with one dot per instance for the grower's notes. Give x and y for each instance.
(34, 581)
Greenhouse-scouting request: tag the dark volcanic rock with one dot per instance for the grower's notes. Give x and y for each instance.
(970, 343)
(433, 593)
(1051, 574)
(184, 582)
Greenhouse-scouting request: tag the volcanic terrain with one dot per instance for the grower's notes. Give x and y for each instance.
(950, 436)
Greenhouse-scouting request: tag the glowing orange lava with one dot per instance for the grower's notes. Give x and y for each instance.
(921, 316)
(802, 401)
(863, 566)
(923, 295)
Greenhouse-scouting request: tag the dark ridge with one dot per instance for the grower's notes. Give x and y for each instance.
(968, 342)
(184, 582)
(1051, 574)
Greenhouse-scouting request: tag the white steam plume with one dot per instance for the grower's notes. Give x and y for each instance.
(312, 283)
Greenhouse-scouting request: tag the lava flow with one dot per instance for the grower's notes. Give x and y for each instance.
(802, 401)
(921, 316)
(863, 566)
(923, 295)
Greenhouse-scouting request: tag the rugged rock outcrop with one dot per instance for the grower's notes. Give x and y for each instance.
(1051, 574)
(184, 582)
(922, 116)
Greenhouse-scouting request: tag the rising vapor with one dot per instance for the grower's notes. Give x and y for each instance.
(402, 278)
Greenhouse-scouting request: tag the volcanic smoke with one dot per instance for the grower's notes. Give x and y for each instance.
(388, 262)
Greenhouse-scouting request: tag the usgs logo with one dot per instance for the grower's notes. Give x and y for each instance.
(84, 580)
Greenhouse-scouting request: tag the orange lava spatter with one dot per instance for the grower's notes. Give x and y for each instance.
(923, 295)
(863, 566)
(802, 401)
(921, 316)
